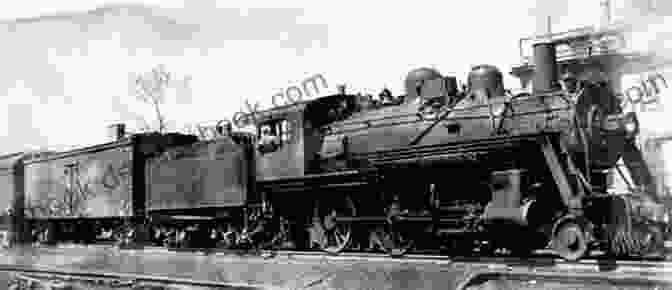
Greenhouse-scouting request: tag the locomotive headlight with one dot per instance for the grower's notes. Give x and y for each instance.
(630, 127)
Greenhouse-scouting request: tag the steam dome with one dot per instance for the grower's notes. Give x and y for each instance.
(486, 80)
(416, 78)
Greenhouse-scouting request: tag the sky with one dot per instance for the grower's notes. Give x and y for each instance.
(68, 65)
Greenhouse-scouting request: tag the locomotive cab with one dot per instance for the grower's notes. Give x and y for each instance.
(289, 138)
(279, 148)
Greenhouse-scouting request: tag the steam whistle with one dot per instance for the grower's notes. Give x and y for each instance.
(341, 89)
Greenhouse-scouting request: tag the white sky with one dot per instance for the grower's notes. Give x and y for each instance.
(60, 75)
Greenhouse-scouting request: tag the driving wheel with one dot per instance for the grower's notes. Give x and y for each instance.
(331, 235)
(395, 240)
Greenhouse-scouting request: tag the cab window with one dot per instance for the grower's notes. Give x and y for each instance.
(272, 135)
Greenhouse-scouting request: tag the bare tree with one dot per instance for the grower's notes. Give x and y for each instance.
(150, 88)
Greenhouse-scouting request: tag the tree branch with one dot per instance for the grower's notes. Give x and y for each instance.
(159, 116)
(150, 89)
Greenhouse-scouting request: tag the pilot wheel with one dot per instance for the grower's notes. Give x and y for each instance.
(569, 241)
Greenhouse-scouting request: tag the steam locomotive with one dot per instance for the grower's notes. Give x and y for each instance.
(440, 169)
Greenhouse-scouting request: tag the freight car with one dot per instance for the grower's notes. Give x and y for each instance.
(12, 175)
(74, 195)
(7, 176)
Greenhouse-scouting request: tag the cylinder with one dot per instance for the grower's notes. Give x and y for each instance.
(545, 68)
(506, 188)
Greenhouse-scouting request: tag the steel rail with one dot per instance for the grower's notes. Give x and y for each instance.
(123, 278)
(508, 261)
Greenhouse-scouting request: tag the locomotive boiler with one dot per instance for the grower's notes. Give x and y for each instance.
(474, 170)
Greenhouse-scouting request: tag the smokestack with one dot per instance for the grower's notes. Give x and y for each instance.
(544, 55)
(116, 131)
(545, 67)
(605, 17)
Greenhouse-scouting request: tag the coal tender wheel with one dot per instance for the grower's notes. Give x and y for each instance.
(569, 242)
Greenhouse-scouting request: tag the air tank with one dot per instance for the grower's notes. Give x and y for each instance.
(485, 81)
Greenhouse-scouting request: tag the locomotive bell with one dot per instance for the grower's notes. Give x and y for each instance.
(416, 79)
(485, 81)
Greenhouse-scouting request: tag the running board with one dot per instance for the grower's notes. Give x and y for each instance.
(352, 178)
(412, 219)
(460, 152)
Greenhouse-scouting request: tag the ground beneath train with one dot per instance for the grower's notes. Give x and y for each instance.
(293, 273)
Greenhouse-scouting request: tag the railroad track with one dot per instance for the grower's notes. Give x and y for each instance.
(534, 269)
(542, 260)
(496, 262)
(64, 279)
(58, 277)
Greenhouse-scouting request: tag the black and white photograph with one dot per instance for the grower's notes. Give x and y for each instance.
(211, 144)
